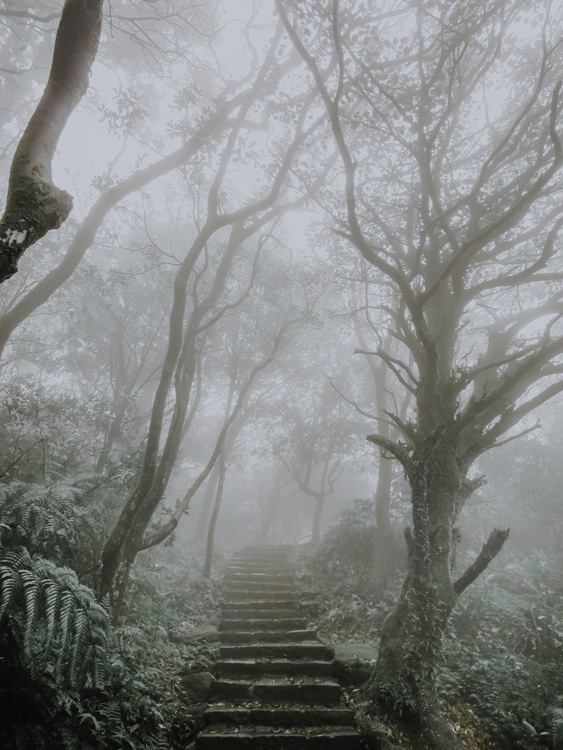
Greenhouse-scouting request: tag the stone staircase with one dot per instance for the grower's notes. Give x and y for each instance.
(275, 688)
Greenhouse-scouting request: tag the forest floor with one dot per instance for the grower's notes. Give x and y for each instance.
(340, 626)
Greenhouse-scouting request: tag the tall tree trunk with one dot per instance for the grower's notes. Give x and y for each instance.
(403, 681)
(214, 517)
(113, 433)
(403, 684)
(383, 552)
(317, 515)
(206, 506)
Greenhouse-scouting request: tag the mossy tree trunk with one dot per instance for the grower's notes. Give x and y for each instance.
(403, 683)
(34, 205)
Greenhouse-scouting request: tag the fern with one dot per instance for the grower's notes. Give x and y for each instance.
(55, 619)
(45, 518)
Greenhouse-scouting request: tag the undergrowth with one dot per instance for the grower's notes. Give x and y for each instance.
(336, 579)
(67, 680)
(500, 678)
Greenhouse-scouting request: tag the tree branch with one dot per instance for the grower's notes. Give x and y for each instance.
(34, 204)
(395, 449)
(490, 550)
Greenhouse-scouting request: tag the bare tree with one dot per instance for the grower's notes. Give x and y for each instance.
(448, 197)
(312, 439)
(179, 364)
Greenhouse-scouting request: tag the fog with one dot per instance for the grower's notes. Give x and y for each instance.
(305, 302)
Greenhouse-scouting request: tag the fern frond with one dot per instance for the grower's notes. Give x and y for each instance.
(52, 601)
(32, 593)
(9, 585)
(65, 622)
(79, 644)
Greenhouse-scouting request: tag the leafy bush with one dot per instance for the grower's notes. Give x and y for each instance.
(503, 655)
(66, 681)
(342, 569)
(346, 551)
(47, 519)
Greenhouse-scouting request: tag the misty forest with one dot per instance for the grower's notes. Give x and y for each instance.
(281, 374)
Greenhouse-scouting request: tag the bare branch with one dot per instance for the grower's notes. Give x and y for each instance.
(395, 449)
(490, 550)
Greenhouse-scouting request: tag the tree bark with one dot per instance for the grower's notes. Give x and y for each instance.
(317, 516)
(383, 552)
(214, 516)
(34, 205)
(403, 684)
(206, 505)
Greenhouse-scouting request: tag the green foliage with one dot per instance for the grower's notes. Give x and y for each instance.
(55, 622)
(348, 544)
(503, 655)
(68, 685)
(46, 434)
(45, 518)
(168, 587)
(345, 605)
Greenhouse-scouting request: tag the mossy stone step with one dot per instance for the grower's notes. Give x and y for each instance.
(275, 688)
(245, 624)
(279, 716)
(269, 636)
(308, 690)
(266, 611)
(286, 594)
(256, 577)
(250, 667)
(226, 737)
(316, 651)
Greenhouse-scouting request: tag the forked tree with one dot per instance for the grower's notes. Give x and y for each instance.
(445, 115)
(255, 212)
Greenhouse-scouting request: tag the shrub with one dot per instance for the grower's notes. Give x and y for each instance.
(503, 655)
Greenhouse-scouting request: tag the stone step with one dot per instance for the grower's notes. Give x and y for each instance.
(289, 548)
(268, 636)
(277, 603)
(271, 568)
(261, 559)
(225, 737)
(251, 667)
(246, 598)
(282, 602)
(308, 690)
(287, 716)
(260, 570)
(267, 579)
(275, 689)
(273, 612)
(251, 580)
(245, 624)
(286, 594)
(260, 585)
(268, 552)
(263, 554)
(315, 651)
